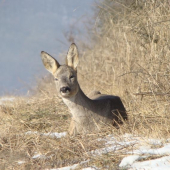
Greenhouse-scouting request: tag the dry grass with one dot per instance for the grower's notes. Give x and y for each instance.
(130, 58)
(44, 116)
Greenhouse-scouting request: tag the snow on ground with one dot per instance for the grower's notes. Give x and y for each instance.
(89, 168)
(21, 162)
(75, 166)
(112, 145)
(142, 153)
(40, 156)
(162, 163)
(51, 135)
(4, 100)
(67, 167)
(138, 160)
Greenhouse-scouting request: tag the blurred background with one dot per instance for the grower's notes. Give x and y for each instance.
(125, 51)
(27, 28)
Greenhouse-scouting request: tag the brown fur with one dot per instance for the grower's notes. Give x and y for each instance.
(87, 114)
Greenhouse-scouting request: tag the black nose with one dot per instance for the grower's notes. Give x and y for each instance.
(65, 89)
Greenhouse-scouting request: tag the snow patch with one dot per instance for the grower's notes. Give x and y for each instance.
(67, 167)
(55, 134)
(158, 151)
(72, 167)
(90, 168)
(139, 149)
(51, 135)
(21, 162)
(129, 160)
(112, 145)
(39, 156)
(5, 100)
(146, 152)
(156, 164)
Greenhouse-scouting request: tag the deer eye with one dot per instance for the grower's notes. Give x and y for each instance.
(56, 79)
(71, 77)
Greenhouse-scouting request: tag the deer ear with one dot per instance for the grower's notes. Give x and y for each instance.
(49, 62)
(72, 56)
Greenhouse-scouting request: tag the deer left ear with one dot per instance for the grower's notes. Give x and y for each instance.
(72, 56)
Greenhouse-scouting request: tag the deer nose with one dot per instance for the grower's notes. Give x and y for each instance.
(65, 89)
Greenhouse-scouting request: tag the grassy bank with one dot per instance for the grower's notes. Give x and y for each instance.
(128, 56)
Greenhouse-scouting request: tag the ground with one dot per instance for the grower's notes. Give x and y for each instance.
(34, 136)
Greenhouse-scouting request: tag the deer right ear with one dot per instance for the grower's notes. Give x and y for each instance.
(73, 56)
(49, 62)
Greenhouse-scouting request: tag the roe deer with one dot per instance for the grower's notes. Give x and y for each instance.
(87, 113)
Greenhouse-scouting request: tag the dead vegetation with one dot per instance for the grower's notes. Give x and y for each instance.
(129, 57)
(19, 147)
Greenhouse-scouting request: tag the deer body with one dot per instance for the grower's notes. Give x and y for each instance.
(87, 113)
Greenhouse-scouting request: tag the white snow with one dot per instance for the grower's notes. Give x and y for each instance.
(142, 153)
(50, 134)
(159, 151)
(67, 167)
(129, 160)
(142, 149)
(40, 156)
(111, 145)
(134, 161)
(90, 168)
(155, 164)
(72, 167)
(21, 162)
(4, 100)
(55, 134)
(113, 148)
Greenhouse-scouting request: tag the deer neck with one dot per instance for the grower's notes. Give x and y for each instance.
(78, 103)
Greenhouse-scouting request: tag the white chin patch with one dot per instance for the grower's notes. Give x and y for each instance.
(65, 94)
